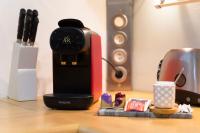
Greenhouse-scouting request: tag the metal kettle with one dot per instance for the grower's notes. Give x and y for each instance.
(188, 85)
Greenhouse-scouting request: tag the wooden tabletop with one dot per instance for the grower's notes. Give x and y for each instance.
(34, 116)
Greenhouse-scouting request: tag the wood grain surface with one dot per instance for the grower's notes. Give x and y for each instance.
(34, 116)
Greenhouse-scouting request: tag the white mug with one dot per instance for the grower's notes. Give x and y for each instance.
(164, 94)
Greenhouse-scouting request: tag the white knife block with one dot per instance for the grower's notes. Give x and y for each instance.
(23, 83)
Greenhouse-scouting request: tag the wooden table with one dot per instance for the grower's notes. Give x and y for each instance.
(33, 116)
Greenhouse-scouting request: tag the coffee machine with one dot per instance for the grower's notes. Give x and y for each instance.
(77, 66)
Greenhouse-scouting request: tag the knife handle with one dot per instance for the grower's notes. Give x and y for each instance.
(33, 30)
(21, 23)
(27, 26)
(35, 13)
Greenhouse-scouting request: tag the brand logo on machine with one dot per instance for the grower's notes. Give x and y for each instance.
(64, 102)
(67, 40)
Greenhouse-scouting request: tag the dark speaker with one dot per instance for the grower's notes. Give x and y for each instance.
(119, 43)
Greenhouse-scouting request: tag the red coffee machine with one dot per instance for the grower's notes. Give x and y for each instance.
(77, 66)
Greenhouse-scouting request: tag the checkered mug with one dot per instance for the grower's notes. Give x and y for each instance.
(164, 94)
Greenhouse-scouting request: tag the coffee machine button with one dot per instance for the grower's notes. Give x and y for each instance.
(198, 100)
(63, 63)
(74, 63)
(188, 99)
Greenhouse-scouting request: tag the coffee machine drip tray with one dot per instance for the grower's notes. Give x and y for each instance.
(67, 101)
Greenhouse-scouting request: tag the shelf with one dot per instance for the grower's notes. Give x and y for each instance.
(166, 3)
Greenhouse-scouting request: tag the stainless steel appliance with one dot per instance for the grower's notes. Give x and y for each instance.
(119, 43)
(188, 85)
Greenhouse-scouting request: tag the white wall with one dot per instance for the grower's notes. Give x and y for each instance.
(158, 30)
(155, 32)
(91, 12)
